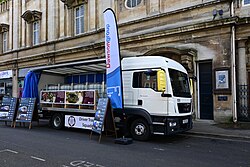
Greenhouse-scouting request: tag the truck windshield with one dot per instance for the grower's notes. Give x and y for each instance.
(180, 84)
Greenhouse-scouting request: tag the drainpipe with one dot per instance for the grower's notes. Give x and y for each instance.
(234, 107)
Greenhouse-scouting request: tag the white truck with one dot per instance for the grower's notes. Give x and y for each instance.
(157, 98)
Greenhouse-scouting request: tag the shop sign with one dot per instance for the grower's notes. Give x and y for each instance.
(5, 74)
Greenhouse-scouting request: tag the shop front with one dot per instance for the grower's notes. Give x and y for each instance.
(5, 83)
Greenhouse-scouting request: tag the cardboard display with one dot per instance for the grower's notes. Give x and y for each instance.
(8, 109)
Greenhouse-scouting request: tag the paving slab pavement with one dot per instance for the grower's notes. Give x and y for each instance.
(239, 130)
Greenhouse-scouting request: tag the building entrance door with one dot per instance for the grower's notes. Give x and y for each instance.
(206, 90)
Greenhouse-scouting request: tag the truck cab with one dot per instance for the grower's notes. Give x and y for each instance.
(157, 96)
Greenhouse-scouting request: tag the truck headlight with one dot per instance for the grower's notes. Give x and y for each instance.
(172, 124)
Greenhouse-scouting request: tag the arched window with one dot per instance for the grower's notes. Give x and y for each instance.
(132, 3)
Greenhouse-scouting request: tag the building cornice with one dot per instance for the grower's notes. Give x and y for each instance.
(100, 44)
(157, 16)
(72, 3)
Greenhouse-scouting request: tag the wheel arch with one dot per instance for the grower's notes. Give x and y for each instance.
(136, 113)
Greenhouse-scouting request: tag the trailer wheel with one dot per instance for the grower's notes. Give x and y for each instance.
(57, 121)
(139, 130)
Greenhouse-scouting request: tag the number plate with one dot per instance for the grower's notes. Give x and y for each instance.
(185, 121)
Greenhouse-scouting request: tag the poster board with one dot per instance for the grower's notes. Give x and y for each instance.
(100, 115)
(25, 110)
(52, 96)
(8, 109)
(104, 118)
(80, 97)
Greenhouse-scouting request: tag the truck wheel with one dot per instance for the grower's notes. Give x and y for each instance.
(140, 130)
(57, 121)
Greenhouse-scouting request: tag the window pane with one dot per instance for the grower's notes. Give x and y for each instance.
(4, 41)
(133, 3)
(246, 2)
(82, 24)
(79, 20)
(81, 10)
(77, 12)
(34, 38)
(180, 84)
(77, 26)
(36, 33)
(146, 79)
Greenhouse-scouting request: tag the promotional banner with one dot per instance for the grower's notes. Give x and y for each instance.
(82, 122)
(113, 62)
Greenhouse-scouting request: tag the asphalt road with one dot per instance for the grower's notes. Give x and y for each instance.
(42, 146)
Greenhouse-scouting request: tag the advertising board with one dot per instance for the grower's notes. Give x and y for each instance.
(81, 122)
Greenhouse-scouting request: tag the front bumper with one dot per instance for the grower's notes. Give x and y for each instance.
(174, 125)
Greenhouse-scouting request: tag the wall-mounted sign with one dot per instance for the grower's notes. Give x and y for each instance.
(5, 74)
(222, 98)
(222, 80)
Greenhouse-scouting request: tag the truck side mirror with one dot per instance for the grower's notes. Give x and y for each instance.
(161, 80)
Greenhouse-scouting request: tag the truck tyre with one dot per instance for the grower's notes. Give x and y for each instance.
(139, 130)
(57, 121)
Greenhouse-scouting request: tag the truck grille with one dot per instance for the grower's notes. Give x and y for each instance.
(184, 107)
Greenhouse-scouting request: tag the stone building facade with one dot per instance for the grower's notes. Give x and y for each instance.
(211, 38)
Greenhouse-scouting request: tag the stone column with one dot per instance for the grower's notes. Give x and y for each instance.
(29, 34)
(1, 42)
(242, 72)
(187, 62)
(52, 23)
(14, 83)
(15, 24)
(92, 15)
(62, 20)
(242, 77)
(23, 27)
(70, 22)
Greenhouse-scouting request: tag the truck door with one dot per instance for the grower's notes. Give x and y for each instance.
(148, 97)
